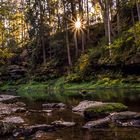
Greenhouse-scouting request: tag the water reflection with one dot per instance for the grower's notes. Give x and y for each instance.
(34, 100)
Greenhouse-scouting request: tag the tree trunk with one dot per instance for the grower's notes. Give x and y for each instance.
(83, 41)
(68, 47)
(49, 12)
(108, 28)
(41, 26)
(67, 39)
(118, 15)
(76, 44)
(138, 9)
(87, 20)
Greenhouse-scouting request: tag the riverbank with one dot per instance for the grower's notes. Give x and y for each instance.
(60, 85)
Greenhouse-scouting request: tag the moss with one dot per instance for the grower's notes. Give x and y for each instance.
(104, 110)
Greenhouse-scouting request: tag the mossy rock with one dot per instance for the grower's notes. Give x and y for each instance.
(103, 110)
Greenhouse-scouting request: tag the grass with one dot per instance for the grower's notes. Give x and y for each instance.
(60, 84)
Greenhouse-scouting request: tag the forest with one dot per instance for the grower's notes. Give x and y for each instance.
(69, 69)
(73, 41)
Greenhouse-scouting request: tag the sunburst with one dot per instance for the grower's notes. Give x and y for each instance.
(76, 25)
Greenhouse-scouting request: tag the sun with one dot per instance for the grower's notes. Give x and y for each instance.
(78, 23)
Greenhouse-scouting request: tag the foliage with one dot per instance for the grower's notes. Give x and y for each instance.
(39, 36)
(5, 54)
(74, 77)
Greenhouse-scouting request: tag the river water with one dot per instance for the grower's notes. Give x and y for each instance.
(129, 97)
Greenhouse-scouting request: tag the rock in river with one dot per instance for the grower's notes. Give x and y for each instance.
(130, 123)
(126, 115)
(9, 124)
(40, 135)
(84, 105)
(13, 120)
(126, 119)
(6, 128)
(101, 123)
(63, 124)
(95, 109)
(54, 106)
(6, 109)
(121, 119)
(103, 110)
(20, 104)
(31, 130)
(7, 97)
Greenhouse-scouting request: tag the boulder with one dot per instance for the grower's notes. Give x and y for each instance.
(47, 111)
(126, 119)
(84, 105)
(7, 97)
(103, 110)
(54, 106)
(92, 109)
(20, 104)
(13, 120)
(63, 124)
(31, 130)
(6, 128)
(123, 116)
(130, 123)
(40, 135)
(6, 109)
(121, 119)
(100, 123)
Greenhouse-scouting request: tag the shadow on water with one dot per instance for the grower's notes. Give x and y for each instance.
(35, 99)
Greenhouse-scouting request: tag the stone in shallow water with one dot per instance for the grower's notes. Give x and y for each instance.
(121, 119)
(103, 110)
(126, 119)
(54, 106)
(13, 120)
(6, 128)
(84, 105)
(7, 97)
(40, 135)
(63, 124)
(31, 130)
(94, 108)
(126, 115)
(130, 123)
(20, 104)
(47, 111)
(100, 123)
(6, 109)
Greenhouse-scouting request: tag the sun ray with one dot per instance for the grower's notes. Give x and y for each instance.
(76, 25)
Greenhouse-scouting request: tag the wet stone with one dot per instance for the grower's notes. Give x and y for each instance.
(84, 105)
(126, 115)
(6, 109)
(31, 130)
(132, 123)
(13, 120)
(6, 128)
(7, 97)
(20, 104)
(47, 111)
(63, 124)
(40, 135)
(100, 123)
(54, 106)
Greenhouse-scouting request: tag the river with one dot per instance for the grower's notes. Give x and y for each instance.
(129, 97)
